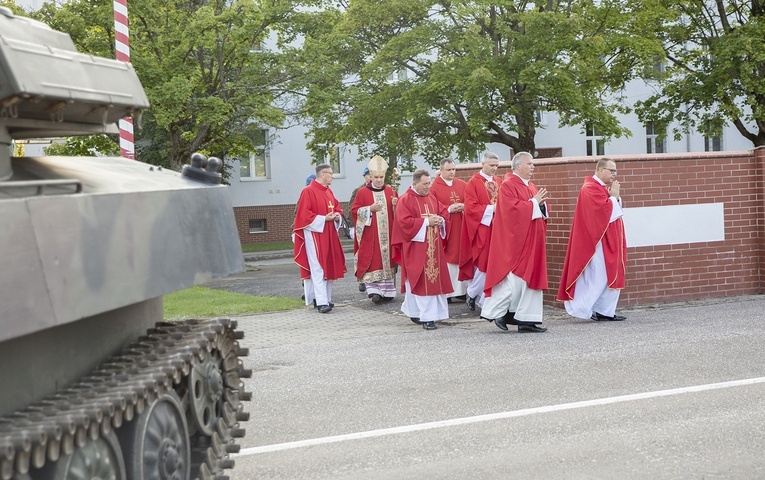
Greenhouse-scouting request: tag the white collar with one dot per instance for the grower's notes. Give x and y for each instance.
(525, 182)
(415, 191)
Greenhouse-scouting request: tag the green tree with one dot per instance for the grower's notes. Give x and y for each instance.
(715, 55)
(404, 77)
(201, 63)
(87, 146)
(11, 4)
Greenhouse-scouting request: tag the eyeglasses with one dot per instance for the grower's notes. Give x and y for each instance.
(612, 170)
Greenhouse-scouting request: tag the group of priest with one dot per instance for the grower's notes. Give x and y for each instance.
(482, 241)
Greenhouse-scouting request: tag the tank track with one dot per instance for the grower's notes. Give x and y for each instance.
(122, 387)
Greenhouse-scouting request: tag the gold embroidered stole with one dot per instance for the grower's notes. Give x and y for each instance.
(383, 237)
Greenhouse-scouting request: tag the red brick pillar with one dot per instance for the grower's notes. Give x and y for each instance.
(759, 167)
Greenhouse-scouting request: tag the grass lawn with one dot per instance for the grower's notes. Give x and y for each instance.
(265, 247)
(201, 302)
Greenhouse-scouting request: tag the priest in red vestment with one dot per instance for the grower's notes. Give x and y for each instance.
(480, 197)
(419, 228)
(596, 257)
(450, 191)
(517, 274)
(372, 219)
(317, 249)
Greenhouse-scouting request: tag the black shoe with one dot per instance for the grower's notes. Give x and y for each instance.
(604, 318)
(531, 327)
(490, 320)
(429, 325)
(325, 308)
(362, 287)
(387, 299)
(510, 319)
(376, 298)
(415, 320)
(470, 302)
(500, 322)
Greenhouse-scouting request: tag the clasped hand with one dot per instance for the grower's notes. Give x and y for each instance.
(542, 195)
(614, 189)
(435, 221)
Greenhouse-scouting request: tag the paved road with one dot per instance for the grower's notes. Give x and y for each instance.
(361, 393)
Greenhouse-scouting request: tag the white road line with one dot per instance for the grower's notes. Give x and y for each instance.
(494, 416)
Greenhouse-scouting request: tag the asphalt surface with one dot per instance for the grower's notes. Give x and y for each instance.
(676, 391)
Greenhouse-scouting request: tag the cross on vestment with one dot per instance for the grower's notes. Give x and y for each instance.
(331, 206)
(454, 197)
(427, 214)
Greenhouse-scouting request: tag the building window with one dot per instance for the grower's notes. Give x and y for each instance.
(334, 157)
(712, 142)
(596, 145)
(655, 141)
(258, 225)
(540, 117)
(257, 165)
(397, 76)
(655, 71)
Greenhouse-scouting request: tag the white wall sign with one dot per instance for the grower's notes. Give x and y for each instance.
(669, 225)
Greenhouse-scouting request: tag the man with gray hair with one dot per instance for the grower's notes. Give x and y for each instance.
(480, 197)
(517, 273)
(450, 191)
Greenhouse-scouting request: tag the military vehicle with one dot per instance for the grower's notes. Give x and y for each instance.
(93, 383)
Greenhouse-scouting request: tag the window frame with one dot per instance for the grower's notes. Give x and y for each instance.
(253, 162)
(652, 139)
(593, 139)
(256, 230)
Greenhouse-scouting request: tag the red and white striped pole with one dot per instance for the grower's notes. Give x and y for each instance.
(122, 47)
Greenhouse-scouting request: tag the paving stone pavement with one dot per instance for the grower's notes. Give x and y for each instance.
(303, 326)
(348, 321)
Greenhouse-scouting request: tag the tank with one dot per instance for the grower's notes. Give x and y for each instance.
(93, 382)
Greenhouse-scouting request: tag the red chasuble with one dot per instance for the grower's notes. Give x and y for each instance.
(318, 200)
(518, 242)
(371, 244)
(422, 263)
(475, 237)
(449, 195)
(591, 225)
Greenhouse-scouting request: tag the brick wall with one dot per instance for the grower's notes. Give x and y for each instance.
(668, 273)
(655, 274)
(279, 219)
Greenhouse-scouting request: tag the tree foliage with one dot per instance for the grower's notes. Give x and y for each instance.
(404, 77)
(715, 52)
(202, 66)
(87, 146)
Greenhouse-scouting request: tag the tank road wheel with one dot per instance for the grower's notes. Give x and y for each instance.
(97, 459)
(156, 444)
(205, 392)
